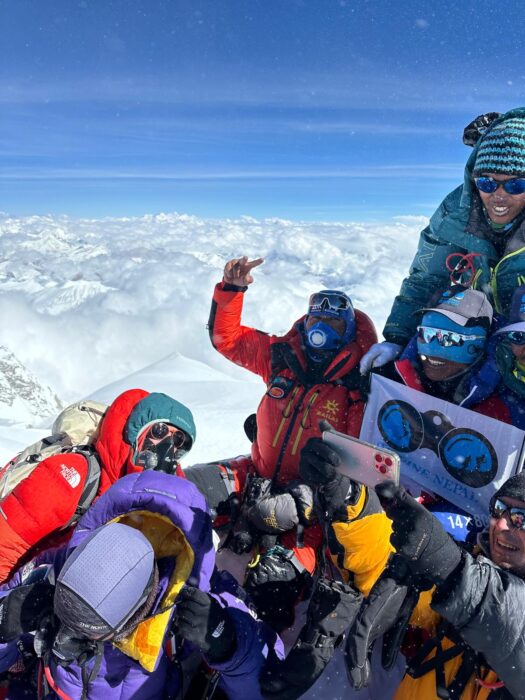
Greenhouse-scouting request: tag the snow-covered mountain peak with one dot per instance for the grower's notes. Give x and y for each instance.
(22, 397)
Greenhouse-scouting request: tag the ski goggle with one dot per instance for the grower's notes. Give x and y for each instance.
(160, 431)
(490, 184)
(515, 337)
(328, 301)
(515, 516)
(446, 339)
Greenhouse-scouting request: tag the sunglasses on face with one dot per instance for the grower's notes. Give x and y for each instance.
(160, 431)
(446, 339)
(323, 301)
(489, 185)
(515, 337)
(515, 516)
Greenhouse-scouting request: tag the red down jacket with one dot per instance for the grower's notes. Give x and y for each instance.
(33, 515)
(294, 402)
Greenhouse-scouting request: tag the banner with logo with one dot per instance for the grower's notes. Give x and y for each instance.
(445, 449)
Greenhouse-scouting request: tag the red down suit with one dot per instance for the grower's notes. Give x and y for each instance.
(296, 398)
(33, 515)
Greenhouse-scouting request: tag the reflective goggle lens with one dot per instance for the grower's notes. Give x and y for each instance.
(446, 339)
(159, 431)
(516, 516)
(516, 337)
(320, 301)
(489, 185)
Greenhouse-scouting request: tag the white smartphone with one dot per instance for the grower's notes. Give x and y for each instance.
(363, 462)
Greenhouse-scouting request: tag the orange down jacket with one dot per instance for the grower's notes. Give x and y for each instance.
(295, 400)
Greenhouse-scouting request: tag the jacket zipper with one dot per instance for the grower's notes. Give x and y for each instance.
(303, 421)
(286, 415)
(295, 413)
(494, 284)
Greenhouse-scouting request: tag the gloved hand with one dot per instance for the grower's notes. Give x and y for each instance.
(332, 608)
(200, 619)
(378, 355)
(335, 496)
(418, 536)
(318, 462)
(274, 586)
(23, 608)
(386, 611)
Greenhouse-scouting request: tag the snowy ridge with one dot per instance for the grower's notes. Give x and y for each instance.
(22, 397)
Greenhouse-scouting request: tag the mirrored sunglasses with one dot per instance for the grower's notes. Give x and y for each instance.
(515, 516)
(446, 339)
(489, 185)
(159, 431)
(515, 337)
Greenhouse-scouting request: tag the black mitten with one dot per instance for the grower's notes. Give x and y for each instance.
(335, 496)
(274, 586)
(200, 619)
(418, 536)
(22, 609)
(318, 462)
(332, 608)
(386, 611)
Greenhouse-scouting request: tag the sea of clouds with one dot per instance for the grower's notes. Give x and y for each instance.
(87, 302)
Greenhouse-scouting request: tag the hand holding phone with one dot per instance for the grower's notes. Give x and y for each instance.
(361, 461)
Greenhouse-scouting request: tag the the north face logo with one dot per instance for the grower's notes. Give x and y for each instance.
(70, 474)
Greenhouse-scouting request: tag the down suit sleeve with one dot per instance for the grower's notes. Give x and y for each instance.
(240, 674)
(247, 347)
(428, 273)
(486, 605)
(360, 545)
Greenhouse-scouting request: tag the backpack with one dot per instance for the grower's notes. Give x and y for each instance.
(74, 430)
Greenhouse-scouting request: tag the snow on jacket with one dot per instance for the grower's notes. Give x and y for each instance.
(459, 226)
(295, 400)
(33, 515)
(173, 515)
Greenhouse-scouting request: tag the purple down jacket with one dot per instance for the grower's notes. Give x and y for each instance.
(173, 515)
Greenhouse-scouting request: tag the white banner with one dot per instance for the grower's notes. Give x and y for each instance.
(445, 449)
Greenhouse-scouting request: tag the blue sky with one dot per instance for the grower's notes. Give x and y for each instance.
(303, 109)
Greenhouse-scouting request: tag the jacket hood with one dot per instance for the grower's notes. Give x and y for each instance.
(125, 419)
(172, 514)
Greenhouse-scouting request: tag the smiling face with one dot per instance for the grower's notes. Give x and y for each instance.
(507, 544)
(502, 208)
(437, 369)
(444, 360)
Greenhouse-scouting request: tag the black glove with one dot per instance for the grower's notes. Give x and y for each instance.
(200, 619)
(22, 609)
(318, 462)
(274, 586)
(418, 536)
(332, 608)
(333, 498)
(386, 611)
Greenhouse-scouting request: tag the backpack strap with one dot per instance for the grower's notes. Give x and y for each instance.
(91, 484)
(470, 662)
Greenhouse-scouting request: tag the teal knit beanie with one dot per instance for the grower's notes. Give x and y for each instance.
(502, 149)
